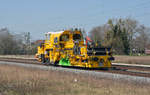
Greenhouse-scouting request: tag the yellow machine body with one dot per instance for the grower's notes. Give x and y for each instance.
(68, 48)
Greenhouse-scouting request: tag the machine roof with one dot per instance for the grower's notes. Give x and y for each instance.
(57, 32)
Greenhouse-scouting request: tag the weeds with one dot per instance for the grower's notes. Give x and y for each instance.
(16, 80)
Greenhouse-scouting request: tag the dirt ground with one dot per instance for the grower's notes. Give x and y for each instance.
(15, 80)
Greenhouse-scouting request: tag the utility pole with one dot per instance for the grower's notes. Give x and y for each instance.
(28, 42)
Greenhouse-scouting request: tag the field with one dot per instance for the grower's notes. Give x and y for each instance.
(17, 56)
(15, 80)
(133, 59)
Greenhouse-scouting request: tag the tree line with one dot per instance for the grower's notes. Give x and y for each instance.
(125, 36)
(15, 43)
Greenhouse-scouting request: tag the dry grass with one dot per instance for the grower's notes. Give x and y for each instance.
(133, 59)
(28, 81)
(17, 56)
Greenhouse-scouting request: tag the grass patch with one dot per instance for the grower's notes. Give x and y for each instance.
(15, 80)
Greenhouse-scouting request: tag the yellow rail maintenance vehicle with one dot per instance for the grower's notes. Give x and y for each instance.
(71, 48)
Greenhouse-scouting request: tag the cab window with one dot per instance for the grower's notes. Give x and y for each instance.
(64, 37)
(76, 37)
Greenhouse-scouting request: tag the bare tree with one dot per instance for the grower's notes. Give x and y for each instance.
(142, 38)
(7, 44)
(123, 35)
(97, 34)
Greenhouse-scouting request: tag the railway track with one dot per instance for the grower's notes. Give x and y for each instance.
(116, 69)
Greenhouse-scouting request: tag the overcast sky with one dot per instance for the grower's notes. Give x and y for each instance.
(41, 16)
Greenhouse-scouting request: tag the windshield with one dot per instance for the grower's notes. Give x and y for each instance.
(64, 37)
(76, 37)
